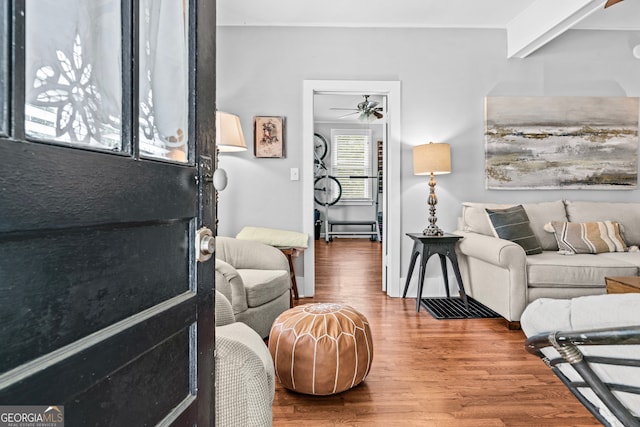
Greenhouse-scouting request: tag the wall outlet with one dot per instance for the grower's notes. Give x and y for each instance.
(295, 174)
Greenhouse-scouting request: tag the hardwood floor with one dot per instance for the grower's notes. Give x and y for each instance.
(426, 372)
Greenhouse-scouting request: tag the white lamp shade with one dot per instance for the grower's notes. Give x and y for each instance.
(431, 158)
(229, 135)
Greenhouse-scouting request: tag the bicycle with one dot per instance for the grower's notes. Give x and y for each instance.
(320, 146)
(327, 190)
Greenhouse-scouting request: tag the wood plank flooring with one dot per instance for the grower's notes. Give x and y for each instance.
(426, 372)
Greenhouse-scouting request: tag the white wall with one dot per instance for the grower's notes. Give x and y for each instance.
(445, 75)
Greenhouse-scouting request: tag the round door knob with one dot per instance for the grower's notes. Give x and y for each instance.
(208, 245)
(205, 244)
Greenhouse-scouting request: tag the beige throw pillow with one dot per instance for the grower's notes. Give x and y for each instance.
(588, 237)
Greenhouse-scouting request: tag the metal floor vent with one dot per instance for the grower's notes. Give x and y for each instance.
(453, 308)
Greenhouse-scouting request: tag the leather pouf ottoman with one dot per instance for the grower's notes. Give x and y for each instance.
(321, 349)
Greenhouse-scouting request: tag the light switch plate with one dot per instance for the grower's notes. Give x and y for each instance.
(295, 174)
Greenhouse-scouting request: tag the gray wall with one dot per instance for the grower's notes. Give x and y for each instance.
(445, 75)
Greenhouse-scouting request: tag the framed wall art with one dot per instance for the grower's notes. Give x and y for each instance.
(268, 139)
(561, 143)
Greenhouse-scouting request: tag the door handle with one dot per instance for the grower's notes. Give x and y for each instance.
(205, 244)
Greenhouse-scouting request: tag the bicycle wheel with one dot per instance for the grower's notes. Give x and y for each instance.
(327, 190)
(319, 169)
(320, 146)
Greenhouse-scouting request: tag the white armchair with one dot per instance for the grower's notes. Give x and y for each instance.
(255, 278)
(244, 373)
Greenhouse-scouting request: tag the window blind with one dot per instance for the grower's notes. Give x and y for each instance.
(351, 156)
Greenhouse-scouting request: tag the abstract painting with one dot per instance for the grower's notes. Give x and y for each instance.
(561, 143)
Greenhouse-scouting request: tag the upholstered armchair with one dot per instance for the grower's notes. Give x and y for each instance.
(255, 278)
(244, 374)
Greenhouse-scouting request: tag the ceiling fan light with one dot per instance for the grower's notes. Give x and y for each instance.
(366, 116)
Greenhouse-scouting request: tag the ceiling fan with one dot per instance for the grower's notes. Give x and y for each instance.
(366, 110)
(611, 3)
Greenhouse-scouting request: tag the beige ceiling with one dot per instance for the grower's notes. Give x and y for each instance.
(529, 24)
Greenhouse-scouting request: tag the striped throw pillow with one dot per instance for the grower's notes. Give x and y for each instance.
(588, 237)
(513, 224)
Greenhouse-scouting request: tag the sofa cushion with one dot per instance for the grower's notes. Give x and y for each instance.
(513, 224)
(263, 286)
(475, 219)
(550, 269)
(588, 237)
(626, 214)
(632, 258)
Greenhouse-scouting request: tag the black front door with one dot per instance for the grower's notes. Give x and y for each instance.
(106, 132)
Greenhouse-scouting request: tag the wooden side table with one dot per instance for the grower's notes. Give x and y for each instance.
(445, 247)
(622, 284)
(290, 253)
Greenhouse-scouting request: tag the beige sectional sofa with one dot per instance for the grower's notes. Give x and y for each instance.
(500, 275)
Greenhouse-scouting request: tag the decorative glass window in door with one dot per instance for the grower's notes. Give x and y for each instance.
(164, 80)
(73, 83)
(4, 37)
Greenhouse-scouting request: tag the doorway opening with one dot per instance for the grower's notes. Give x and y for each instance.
(332, 92)
(350, 133)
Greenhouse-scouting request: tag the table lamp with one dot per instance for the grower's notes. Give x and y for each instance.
(432, 159)
(229, 138)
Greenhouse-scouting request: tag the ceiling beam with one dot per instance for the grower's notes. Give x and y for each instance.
(543, 21)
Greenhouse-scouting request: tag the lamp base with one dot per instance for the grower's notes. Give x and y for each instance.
(432, 230)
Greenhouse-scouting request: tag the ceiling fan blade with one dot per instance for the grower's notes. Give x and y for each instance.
(347, 115)
(345, 109)
(611, 3)
(377, 114)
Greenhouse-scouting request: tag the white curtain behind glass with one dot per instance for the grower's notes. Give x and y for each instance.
(73, 77)
(4, 37)
(164, 79)
(74, 68)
